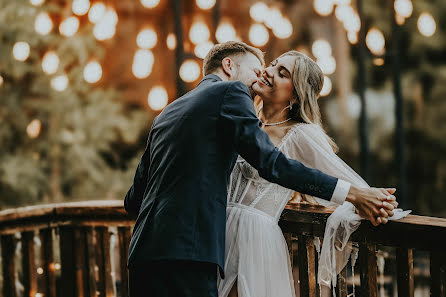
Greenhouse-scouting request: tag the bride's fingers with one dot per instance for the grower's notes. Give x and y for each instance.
(383, 213)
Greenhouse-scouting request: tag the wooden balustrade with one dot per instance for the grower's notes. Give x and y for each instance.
(74, 253)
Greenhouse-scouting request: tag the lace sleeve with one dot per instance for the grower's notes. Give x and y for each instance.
(309, 144)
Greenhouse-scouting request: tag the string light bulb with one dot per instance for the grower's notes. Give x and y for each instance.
(199, 32)
(33, 131)
(375, 41)
(403, 8)
(171, 41)
(258, 35)
(189, 71)
(21, 51)
(37, 2)
(92, 72)
(1, 80)
(225, 32)
(426, 24)
(96, 12)
(146, 39)
(326, 88)
(142, 63)
(283, 28)
(150, 3)
(50, 62)
(43, 24)
(327, 64)
(205, 4)
(323, 7)
(105, 28)
(80, 7)
(259, 12)
(202, 49)
(321, 48)
(59, 83)
(69, 26)
(157, 98)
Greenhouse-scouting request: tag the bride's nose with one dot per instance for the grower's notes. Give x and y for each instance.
(268, 72)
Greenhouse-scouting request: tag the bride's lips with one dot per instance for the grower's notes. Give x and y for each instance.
(265, 82)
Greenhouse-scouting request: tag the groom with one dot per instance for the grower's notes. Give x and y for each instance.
(179, 189)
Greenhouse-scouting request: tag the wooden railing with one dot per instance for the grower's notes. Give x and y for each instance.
(80, 249)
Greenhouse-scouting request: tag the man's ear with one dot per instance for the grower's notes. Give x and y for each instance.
(228, 66)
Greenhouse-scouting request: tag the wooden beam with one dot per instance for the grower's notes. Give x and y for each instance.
(47, 253)
(368, 269)
(307, 268)
(29, 265)
(124, 235)
(404, 268)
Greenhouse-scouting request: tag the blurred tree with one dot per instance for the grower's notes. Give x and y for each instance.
(79, 142)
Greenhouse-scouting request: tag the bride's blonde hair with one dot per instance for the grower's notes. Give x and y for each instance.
(308, 80)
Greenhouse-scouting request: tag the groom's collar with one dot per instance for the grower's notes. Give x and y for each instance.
(211, 77)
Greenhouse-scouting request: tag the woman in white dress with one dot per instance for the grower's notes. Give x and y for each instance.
(257, 261)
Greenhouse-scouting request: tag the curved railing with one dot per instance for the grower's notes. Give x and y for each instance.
(80, 249)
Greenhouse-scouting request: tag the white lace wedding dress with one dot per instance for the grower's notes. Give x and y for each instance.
(256, 251)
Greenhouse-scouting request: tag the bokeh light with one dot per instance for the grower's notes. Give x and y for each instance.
(92, 72)
(352, 23)
(171, 41)
(33, 131)
(43, 24)
(378, 61)
(189, 71)
(344, 12)
(50, 62)
(59, 83)
(97, 11)
(205, 4)
(403, 8)
(150, 3)
(199, 32)
(352, 37)
(258, 35)
(274, 16)
(106, 27)
(142, 63)
(283, 28)
(259, 12)
(157, 98)
(323, 7)
(80, 7)
(321, 48)
(375, 41)
(327, 64)
(21, 51)
(202, 49)
(225, 32)
(326, 88)
(426, 24)
(146, 39)
(40, 270)
(1, 80)
(69, 26)
(36, 2)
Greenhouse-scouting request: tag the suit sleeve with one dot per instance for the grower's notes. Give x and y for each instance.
(135, 194)
(242, 126)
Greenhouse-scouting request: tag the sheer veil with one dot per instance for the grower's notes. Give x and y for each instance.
(310, 146)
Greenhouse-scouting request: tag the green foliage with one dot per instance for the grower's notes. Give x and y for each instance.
(84, 129)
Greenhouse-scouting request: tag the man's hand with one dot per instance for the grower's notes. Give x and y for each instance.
(373, 204)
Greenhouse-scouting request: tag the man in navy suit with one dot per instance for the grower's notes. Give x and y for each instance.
(180, 186)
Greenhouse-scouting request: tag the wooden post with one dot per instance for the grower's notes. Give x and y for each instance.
(91, 257)
(47, 253)
(8, 249)
(404, 268)
(341, 286)
(105, 285)
(368, 268)
(29, 265)
(124, 241)
(68, 262)
(307, 270)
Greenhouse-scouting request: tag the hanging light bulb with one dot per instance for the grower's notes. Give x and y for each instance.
(199, 32)
(59, 83)
(327, 64)
(43, 24)
(258, 35)
(92, 72)
(283, 28)
(33, 128)
(50, 62)
(158, 98)
(259, 12)
(403, 8)
(80, 7)
(344, 12)
(352, 37)
(352, 23)
(189, 71)
(326, 88)
(69, 26)
(142, 63)
(106, 27)
(21, 51)
(146, 39)
(323, 7)
(36, 2)
(202, 49)
(97, 11)
(274, 17)
(321, 49)
(375, 41)
(205, 4)
(225, 32)
(426, 24)
(150, 3)
(171, 41)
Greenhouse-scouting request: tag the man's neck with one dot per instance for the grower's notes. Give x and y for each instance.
(221, 75)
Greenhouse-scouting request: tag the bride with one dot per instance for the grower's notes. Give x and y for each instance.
(256, 258)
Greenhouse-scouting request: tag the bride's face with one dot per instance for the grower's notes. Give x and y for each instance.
(276, 83)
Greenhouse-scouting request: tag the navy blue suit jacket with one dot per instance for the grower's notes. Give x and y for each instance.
(179, 191)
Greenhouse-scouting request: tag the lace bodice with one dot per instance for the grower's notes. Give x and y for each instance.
(246, 187)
